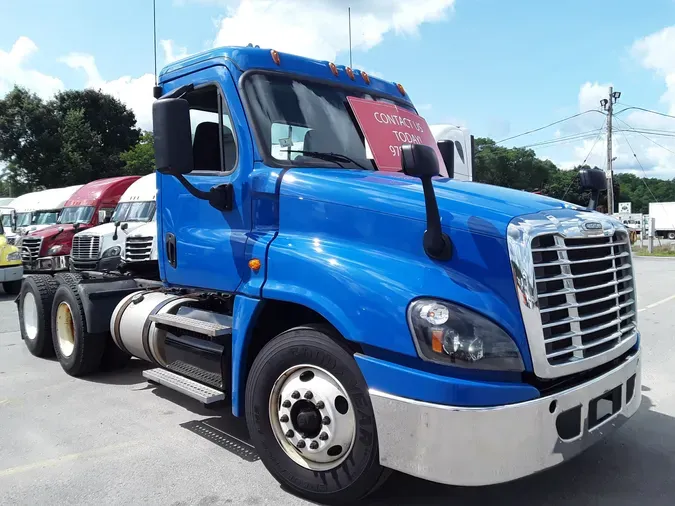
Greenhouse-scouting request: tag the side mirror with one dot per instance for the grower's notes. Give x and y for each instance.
(447, 149)
(173, 136)
(420, 161)
(594, 180)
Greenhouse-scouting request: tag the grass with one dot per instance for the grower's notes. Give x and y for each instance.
(659, 251)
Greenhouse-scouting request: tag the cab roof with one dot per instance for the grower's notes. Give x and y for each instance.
(110, 188)
(254, 58)
(143, 190)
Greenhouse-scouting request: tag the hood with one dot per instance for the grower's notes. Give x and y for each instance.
(33, 228)
(6, 249)
(108, 229)
(148, 229)
(51, 230)
(478, 208)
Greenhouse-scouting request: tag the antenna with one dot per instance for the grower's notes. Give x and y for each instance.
(156, 90)
(349, 16)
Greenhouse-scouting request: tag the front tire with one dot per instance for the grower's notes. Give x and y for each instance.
(310, 418)
(12, 287)
(78, 351)
(671, 235)
(35, 305)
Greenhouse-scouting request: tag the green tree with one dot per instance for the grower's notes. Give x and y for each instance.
(76, 137)
(140, 159)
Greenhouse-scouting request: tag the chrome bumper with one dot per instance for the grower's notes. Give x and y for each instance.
(48, 264)
(482, 446)
(13, 273)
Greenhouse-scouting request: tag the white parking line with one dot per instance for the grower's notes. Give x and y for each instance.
(650, 306)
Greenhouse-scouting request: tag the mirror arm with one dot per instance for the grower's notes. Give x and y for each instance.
(437, 244)
(593, 201)
(220, 197)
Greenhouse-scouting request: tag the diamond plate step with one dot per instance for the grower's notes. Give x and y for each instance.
(182, 322)
(203, 393)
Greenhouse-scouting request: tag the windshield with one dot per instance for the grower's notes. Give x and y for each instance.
(134, 211)
(45, 217)
(23, 219)
(297, 115)
(76, 214)
(7, 220)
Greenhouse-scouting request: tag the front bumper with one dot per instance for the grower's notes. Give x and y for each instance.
(47, 264)
(102, 264)
(483, 446)
(13, 273)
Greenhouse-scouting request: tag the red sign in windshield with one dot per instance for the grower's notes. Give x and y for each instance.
(387, 127)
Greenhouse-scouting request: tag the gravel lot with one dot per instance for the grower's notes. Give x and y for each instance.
(114, 439)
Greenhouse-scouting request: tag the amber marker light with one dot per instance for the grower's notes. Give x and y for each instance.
(366, 77)
(437, 340)
(254, 264)
(401, 89)
(333, 68)
(275, 57)
(350, 73)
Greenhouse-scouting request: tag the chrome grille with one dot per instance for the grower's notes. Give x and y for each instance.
(137, 249)
(30, 248)
(585, 292)
(86, 247)
(576, 290)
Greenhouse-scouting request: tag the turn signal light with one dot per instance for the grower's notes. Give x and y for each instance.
(254, 264)
(333, 68)
(275, 57)
(437, 340)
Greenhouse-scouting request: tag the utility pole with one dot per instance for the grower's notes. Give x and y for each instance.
(349, 17)
(608, 105)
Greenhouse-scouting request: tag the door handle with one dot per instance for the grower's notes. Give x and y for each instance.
(171, 249)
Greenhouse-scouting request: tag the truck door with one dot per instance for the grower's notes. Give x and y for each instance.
(200, 246)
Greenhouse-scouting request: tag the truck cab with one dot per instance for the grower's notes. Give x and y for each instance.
(464, 148)
(11, 270)
(101, 248)
(38, 210)
(323, 276)
(48, 249)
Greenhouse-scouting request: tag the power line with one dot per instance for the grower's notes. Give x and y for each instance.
(629, 107)
(643, 135)
(549, 125)
(600, 130)
(577, 136)
(641, 131)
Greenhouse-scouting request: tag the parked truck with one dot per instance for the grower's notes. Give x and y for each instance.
(361, 309)
(664, 218)
(48, 249)
(140, 252)
(101, 248)
(11, 270)
(39, 210)
(464, 148)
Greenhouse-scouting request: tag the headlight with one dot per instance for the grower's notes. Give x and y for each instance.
(14, 256)
(54, 249)
(112, 252)
(450, 334)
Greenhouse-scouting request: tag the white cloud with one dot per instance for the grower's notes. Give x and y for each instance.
(590, 95)
(319, 29)
(13, 71)
(171, 52)
(136, 93)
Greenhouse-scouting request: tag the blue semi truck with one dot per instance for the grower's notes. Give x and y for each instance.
(360, 308)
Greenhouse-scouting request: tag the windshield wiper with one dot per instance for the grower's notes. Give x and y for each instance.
(329, 157)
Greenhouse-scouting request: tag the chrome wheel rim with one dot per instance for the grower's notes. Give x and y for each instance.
(30, 319)
(65, 330)
(312, 417)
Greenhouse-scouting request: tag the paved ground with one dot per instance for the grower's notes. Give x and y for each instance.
(115, 440)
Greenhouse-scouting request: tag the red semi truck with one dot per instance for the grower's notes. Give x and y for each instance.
(48, 250)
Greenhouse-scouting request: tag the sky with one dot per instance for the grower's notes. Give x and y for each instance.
(497, 67)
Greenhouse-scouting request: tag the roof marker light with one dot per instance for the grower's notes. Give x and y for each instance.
(400, 88)
(366, 77)
(350, 73)
(275, 57)
(333, 68)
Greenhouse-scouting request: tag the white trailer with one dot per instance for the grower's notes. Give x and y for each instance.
(664, 218)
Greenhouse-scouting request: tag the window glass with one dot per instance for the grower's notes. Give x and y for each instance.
(76, 214)
(23, 219)
(45, 217)
(134, 211)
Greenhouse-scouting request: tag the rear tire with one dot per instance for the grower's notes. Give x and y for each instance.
(12, 287)
(352, 470)
(671, 235)
(35, 305)
(78, 351)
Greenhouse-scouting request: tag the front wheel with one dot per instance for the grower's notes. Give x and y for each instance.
(309, 415)
(671, 235)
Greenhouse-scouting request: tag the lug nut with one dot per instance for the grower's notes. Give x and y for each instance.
(313, 445)
(283, 419)
(286, 404)
(325, 420)
(295, 395)
(320, 405)
(290, 433)
(301, 444)
(323, 436)
(308, 394)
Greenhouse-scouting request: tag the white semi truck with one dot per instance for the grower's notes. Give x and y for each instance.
(38, 210)
(102, 248)
(464, 148)
(664, 218)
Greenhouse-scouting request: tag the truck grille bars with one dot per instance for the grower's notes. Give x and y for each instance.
(30, 249)
(86, 247)
(576, 290)
(137, 249)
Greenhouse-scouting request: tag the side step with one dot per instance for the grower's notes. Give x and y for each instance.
(182, 322)
(203, 393)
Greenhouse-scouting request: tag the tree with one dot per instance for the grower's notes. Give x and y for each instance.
(140, 159)
(76, 137)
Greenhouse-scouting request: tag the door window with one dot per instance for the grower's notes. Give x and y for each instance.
(214, 145)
